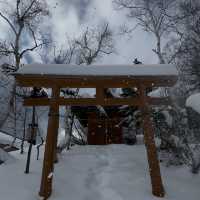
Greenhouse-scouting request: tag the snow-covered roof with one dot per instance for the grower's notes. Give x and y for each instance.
(194, 102)
(98, 70)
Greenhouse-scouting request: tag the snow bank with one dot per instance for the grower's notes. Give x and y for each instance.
(5, 157)
(110, 172)
(194, 102)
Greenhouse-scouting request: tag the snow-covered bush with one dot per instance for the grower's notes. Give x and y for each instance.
(130, 124)
(177, 139)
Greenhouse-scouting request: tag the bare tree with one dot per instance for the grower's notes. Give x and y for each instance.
(65, 56)
(151, 16)
(94, 43)
(189, 57)
(188, 60)
(184, 49)
(90, 46)
(24, 19)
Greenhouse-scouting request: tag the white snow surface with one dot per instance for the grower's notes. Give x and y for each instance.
(117, 172)
(4, 156)
(194, 102)
(99, 70)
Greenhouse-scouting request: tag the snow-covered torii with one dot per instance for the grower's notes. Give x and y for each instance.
(57, 76)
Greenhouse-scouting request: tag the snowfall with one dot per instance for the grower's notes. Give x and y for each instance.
(118, 172)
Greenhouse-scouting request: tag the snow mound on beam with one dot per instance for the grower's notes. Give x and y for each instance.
(194, 102)
(99, 70)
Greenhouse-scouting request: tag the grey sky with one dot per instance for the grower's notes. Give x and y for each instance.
(70, 17)
(81, 13)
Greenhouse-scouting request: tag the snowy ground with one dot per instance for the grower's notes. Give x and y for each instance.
(117, 172)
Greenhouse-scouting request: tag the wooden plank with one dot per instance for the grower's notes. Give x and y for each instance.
(100, 94)
(37, 101)
(80, 102)
(55, 95)
(93, 101)
(93, 82)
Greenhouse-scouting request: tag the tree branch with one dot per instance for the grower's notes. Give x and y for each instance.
(9, 22)
(30, 49)
(27, 10)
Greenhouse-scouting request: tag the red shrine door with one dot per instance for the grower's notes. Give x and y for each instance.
(102, 131)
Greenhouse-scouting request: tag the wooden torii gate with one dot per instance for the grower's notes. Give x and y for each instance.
(100, 77)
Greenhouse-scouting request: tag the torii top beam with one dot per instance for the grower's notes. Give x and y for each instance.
(95, 76)
(64, 75)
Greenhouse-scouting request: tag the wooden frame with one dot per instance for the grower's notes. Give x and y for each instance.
(56, 82)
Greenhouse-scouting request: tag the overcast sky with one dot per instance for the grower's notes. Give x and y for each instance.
(70, 17)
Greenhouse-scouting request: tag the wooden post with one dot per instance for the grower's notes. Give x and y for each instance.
(99, 94)
(154, 167)
(33, 135)
(56, 139)
(57, 95)
(49, 155)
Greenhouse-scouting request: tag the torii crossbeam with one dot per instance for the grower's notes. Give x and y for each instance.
(100, 77)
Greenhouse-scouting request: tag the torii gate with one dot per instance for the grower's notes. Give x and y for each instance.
(100, 77)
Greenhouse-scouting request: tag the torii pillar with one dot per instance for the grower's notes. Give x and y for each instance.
(154, 167)
(50, 146)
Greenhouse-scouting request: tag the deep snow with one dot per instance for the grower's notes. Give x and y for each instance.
(117, 172)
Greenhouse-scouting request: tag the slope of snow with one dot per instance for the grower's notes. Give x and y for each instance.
(117, 172)
(194, 102)
(5, 139)
(99, 70)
